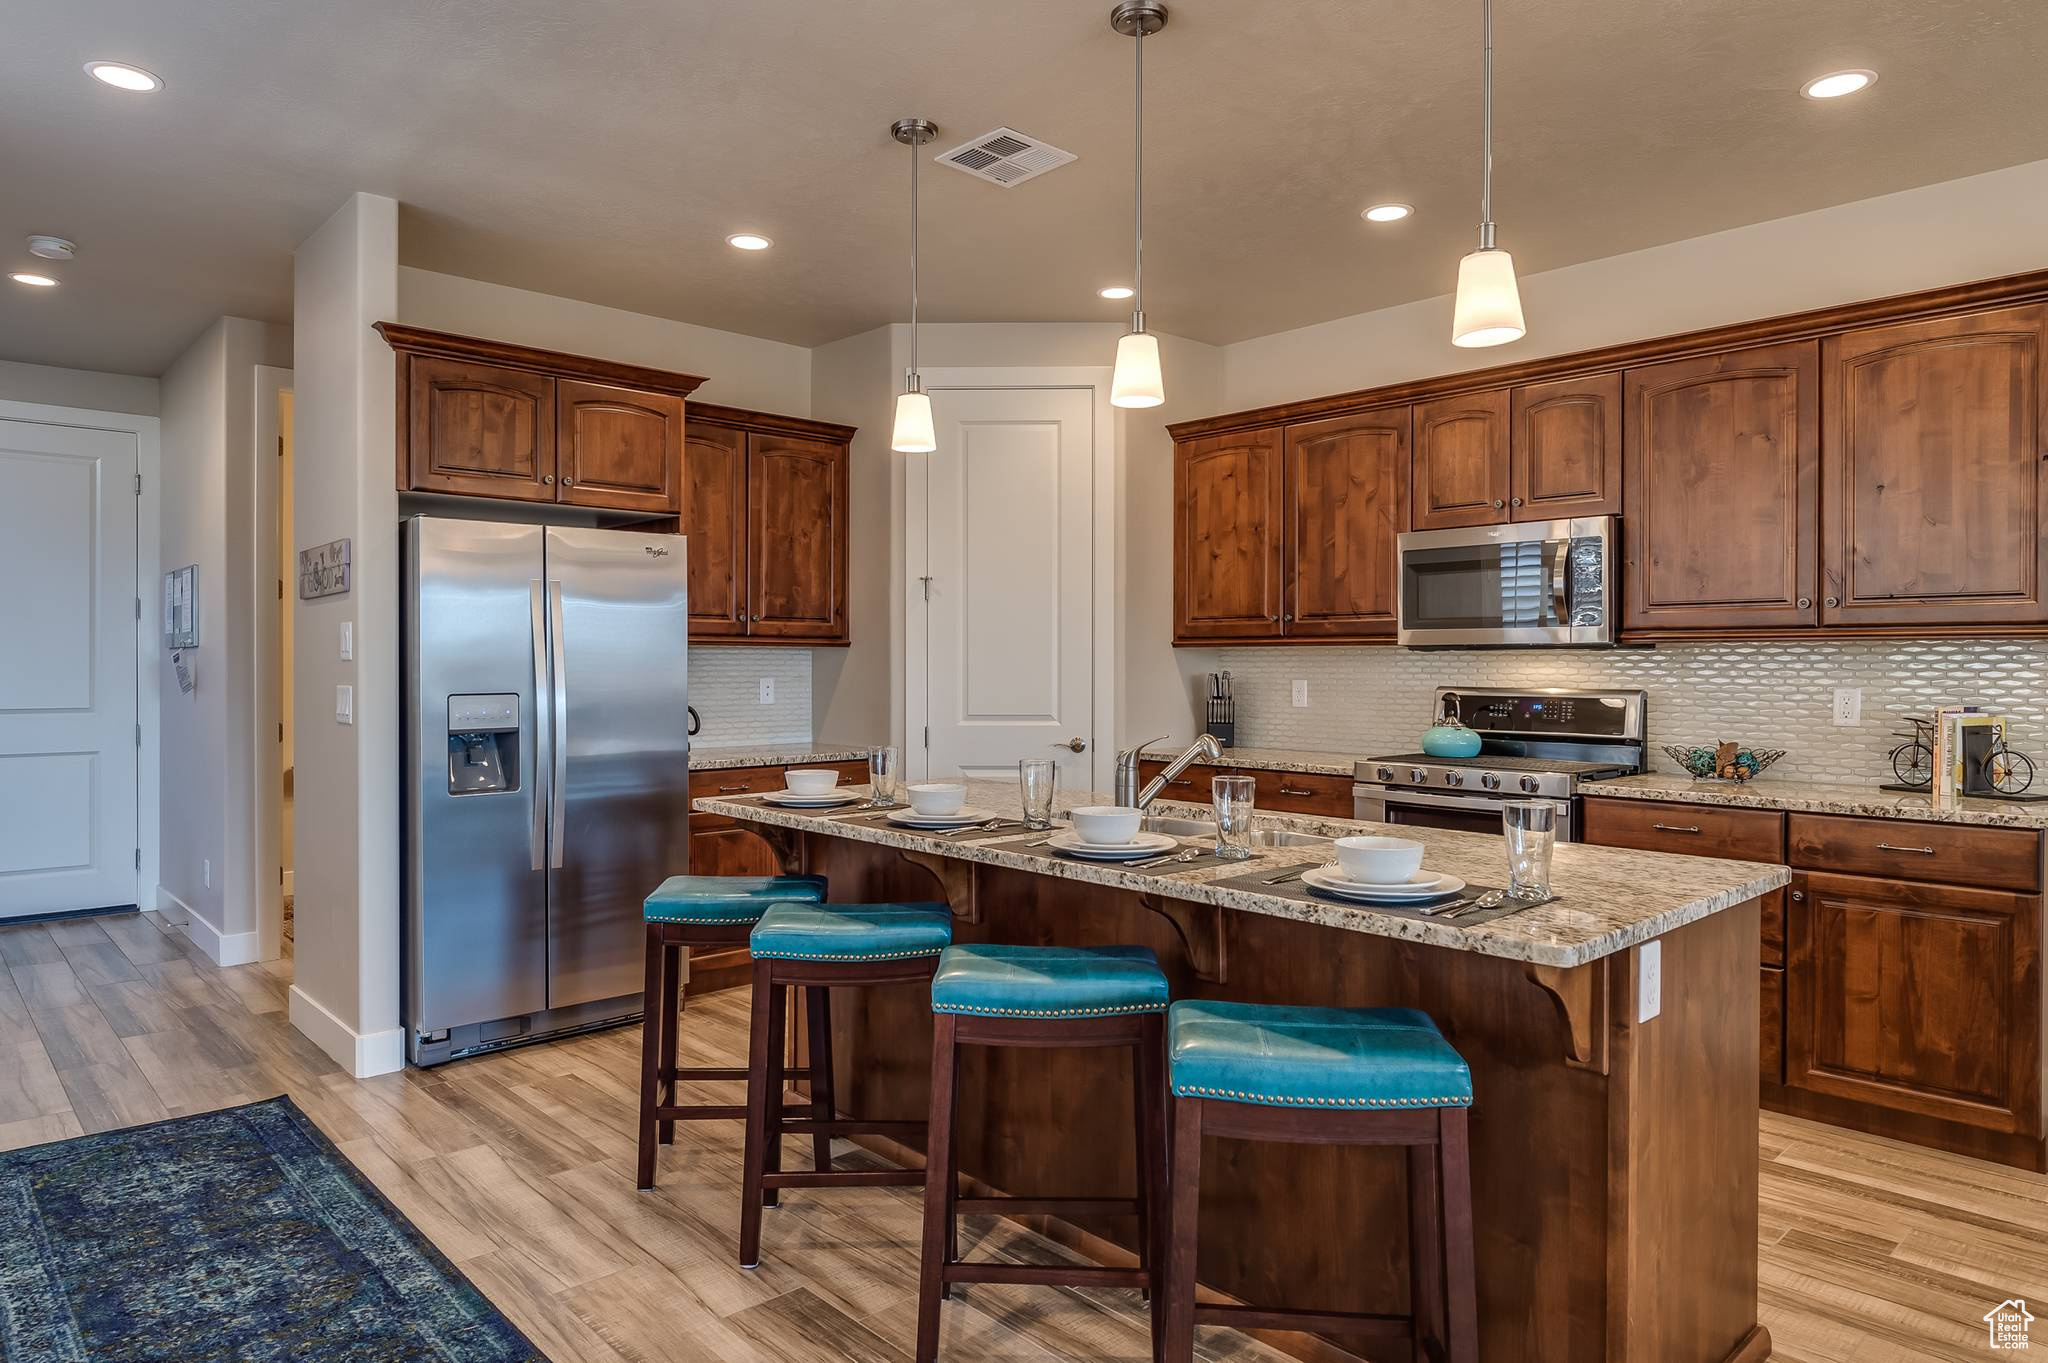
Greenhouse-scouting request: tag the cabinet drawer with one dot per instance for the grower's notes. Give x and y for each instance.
(1952, 854)
(1691, 830)
(753, 781)
(1191, 785)
(1297, 792)
(1770, 1007)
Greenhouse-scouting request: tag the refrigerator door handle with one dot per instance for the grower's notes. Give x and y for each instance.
(558, 785)
(537, 831)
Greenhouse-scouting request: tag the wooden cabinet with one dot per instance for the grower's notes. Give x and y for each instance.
(1721, 491)
(1932, 457)
(1770, 1008)
(479, 418)
(714, 517)
(1459, 474)
(1281, 792)
(1227, 532)
(1564, 448)
(1345, 503)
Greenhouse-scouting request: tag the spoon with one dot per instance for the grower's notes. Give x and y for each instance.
(989, 827)
(1185, 854)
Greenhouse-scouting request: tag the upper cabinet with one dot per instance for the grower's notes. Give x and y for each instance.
(1345, 500)
(1226, 537)
(715, 519)
(1564, 448)
(1936, 503)
(1459, 474)
(1721, 494)
(481, 418)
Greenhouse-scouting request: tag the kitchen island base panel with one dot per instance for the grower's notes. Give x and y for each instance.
(1613, 1160)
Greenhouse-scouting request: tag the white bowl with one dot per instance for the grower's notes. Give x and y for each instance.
(1107, 825)
(810, 780)
(1379, 861)
(937, 797)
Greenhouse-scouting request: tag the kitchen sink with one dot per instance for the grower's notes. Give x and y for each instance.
(1180, 827)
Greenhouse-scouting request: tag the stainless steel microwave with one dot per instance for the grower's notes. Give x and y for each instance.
(1537, 584)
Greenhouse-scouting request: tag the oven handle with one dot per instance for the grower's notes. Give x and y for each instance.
(1479, 803)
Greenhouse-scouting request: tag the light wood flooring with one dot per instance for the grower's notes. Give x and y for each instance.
(519, 1167)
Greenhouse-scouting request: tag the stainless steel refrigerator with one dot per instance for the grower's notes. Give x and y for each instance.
(546, 774)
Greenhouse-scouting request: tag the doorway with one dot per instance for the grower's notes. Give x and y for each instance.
(1009, 640)
(276, 592)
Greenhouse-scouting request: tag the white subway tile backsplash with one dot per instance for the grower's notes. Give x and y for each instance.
(725, 688)
(1771, 695)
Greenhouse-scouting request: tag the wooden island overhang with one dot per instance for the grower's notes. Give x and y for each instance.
(1614, 1150)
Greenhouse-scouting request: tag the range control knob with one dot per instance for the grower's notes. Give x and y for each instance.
(1419, 775)
(1531, 785)
(1384, 773)
(1491, 780)
(1454, 778)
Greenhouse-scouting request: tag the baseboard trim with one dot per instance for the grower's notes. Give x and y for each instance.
(361, 1054)
(222, 948)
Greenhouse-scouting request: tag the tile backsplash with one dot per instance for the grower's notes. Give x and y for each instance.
(725, 688)
(1771, 695)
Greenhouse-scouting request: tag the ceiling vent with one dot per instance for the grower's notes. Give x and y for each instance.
(1006, 157)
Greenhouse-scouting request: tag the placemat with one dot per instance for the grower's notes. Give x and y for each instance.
(1295, 889)
(1024, 847)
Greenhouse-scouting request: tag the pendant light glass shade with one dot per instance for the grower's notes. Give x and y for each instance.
(1137, 381)
(915, 433)
(1489, 307)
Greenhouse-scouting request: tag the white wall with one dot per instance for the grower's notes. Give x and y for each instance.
(91, 389)
(346, 804)
(207, 875)
(739, 371)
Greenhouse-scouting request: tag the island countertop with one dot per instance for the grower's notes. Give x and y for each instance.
(1609, 899)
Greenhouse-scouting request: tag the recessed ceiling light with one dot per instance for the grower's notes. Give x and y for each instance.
(122, 76)
(1114, 291)
(1835, 84)
(749, 241)
(1387, 212)
(37, 281)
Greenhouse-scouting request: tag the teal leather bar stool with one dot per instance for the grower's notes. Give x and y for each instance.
(683, 913)
(1335, 1076)
(993, 995)
(816, 947)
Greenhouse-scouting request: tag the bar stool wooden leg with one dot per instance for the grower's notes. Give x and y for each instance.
(763, 1048)
(1149, 1072)
(651, 1039)
(939, 1179)
(1460, 1279)
(818, 1019)
(672, 959)
(776, 1087)
(1425, 1252)
(1175, 1342)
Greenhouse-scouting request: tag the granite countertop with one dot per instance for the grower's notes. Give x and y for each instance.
(1609, 899)
(773, 755)
(1271, 759)
(1813, 797)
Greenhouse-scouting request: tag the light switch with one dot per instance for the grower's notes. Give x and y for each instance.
(344, 704)
(348, 640)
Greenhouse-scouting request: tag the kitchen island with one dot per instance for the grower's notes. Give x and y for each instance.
(1613, 1137)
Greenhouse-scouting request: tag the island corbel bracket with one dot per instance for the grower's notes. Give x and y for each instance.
(1200, 928)
(787, 844)
(1580, 994)
(956, 881)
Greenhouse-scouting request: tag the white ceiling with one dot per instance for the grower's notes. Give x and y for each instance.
(603, 150)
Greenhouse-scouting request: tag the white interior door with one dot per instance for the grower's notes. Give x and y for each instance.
(1009, 659)
(67, 668)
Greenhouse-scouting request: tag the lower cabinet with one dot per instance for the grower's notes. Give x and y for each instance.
(1279, 792)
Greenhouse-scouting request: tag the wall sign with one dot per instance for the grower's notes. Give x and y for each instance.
(323, 570)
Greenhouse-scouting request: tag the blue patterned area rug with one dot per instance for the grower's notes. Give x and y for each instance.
(240, 1236)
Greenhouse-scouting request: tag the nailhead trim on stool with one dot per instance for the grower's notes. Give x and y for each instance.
(1285, 1100)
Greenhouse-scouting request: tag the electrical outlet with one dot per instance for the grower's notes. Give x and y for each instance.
(206, 872)
(767, 690)
(1649, 980)
(348, 640)
(1300, 692)
(344, 705)
(1848, 706)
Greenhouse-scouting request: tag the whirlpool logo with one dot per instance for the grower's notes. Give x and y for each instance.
(652, 552)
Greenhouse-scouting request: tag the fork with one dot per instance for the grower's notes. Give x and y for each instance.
(991, 826)
(1185, 854)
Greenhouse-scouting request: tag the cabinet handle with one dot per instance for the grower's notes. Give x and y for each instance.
(734, 790)
(1674, 828)
(1512, 501)
(1498, 504)
(1799, 896)
(1290, 790)
(547, 479)
(757, 615)
(1805, 602)
(1833, 601)
(1916, 851)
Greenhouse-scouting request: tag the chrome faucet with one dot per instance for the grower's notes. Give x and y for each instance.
(1127, 792)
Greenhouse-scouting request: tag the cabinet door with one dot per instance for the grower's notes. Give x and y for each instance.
(1346, 501)
(1920, 998)
(714, 517)
(618, 447)
(1461, 462)
(1564, 449)
(1722, 491)
(479, 430)
(1936, 503)
(1226, 535)
(796, 538)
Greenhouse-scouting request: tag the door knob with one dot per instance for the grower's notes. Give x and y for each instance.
(1834, 601)
(1805, 601)
(1498, 504)
(1074, 745)
(1512, 501)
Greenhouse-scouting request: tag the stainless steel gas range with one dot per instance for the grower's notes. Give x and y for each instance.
(1534, 745)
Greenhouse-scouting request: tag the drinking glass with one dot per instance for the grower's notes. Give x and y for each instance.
(1232, 797)
(1530, 827)
(885, 775)
(1035, 776)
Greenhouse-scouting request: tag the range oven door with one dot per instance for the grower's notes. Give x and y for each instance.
(1466, 813)
(1537, 584)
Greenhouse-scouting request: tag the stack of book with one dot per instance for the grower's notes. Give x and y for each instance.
(1962, 731)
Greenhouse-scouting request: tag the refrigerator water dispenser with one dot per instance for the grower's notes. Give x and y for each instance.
(483, 744)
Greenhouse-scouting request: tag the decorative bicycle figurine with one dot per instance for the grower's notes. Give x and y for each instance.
(2006, 771)
(1913, 760)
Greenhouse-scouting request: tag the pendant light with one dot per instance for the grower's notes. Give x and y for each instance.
(914, 433)
(1489, 307)
(1137, 381)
